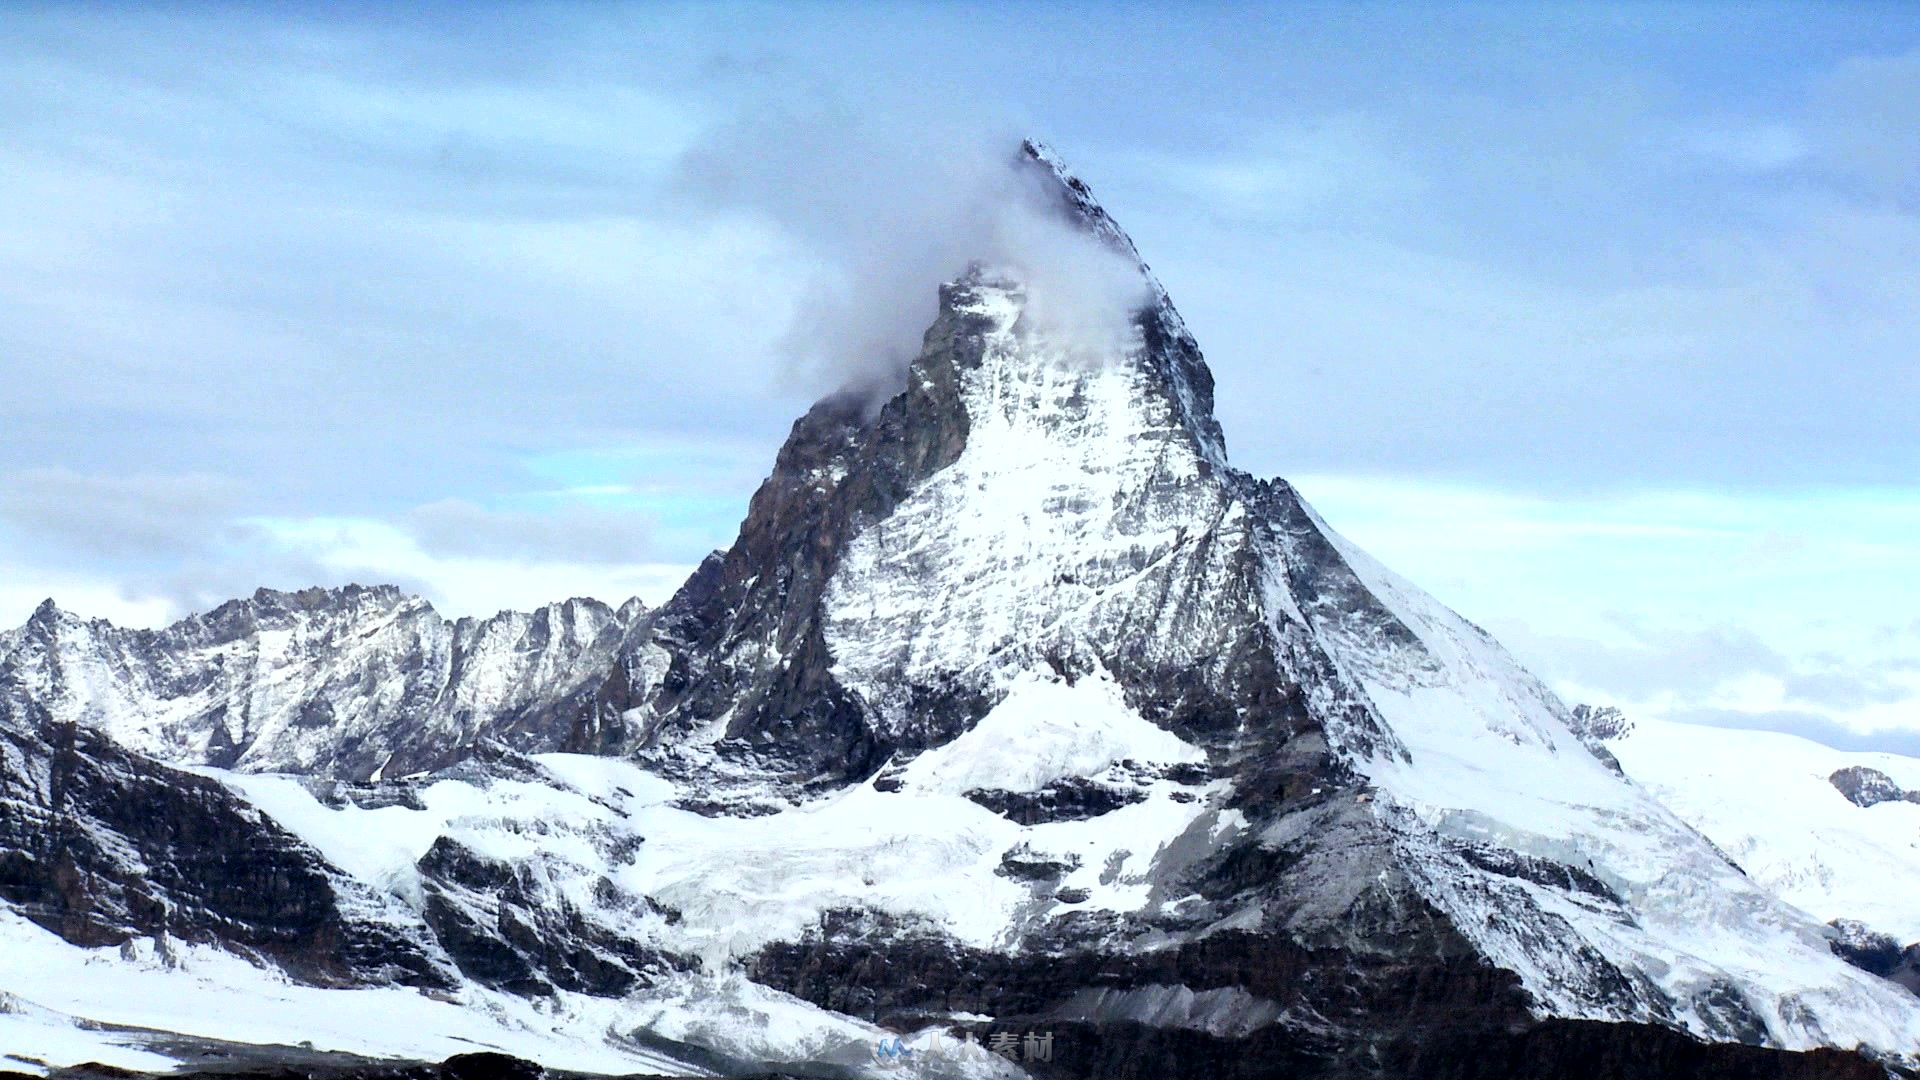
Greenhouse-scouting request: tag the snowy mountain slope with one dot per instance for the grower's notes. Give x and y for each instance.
(560, 841)
(340, 682)
(1766, 798)
(1490, 761)
(1012, 708)
(602, 832)
(1078, 516)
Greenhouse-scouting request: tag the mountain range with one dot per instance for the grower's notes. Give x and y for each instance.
(1017, 733)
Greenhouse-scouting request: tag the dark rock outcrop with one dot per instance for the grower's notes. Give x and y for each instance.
(1072, 799)
(1865, 787)
(100, 845)
(745, 634)
(1880, 954)
(506, 927)
(1595, 725)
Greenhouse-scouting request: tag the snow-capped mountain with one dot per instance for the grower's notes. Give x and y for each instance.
(337, 682)
(1013, 708)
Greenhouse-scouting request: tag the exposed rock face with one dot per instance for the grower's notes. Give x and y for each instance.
(1598, 723)
(332, 682)
(1549, 1050)
(519, 924)
(1566, 1048)
(1232, 985)
(1881, 954)
(1594, 726)
(1865, 786)
(750, 667)
(101, 846)
(1071, 799)
(507, 927)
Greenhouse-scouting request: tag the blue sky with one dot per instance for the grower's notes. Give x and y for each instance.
(1603, 323)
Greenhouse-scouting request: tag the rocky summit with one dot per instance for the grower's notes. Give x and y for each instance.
(1017, 733)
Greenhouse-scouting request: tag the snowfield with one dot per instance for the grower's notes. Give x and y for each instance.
(195, 990)
(1045, 730)
(1765, 798)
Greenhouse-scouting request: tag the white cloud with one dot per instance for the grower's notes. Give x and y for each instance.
(24, 586)
(891, 204)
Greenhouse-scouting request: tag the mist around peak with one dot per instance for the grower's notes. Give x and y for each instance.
(884, 212)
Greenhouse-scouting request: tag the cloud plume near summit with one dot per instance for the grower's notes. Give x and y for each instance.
(883, 213)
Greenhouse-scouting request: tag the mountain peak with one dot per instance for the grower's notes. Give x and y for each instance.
(1077, 199)
(1169, 351)
(50, 616)
(321, 595)
(1030, 447)
(1041, 152)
